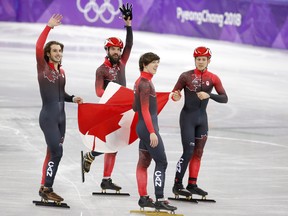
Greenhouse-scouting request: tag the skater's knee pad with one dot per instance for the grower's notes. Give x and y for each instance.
(144, 159)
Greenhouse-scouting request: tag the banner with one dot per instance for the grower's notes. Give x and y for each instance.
(256, 22)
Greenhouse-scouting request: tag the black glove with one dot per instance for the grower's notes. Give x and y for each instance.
(126, 12)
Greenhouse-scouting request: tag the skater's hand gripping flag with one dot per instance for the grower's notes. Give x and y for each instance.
(111, 124)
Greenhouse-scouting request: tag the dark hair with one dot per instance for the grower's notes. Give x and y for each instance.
(146, 59)
(47, 48)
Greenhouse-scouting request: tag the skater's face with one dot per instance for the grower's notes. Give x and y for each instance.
(152, 67)
(202, 62)
(114, 54)
(56, 53)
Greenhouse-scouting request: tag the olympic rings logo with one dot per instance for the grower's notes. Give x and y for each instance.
(93, 8)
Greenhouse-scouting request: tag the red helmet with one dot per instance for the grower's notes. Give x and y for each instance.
(202, 51)
(113, 41)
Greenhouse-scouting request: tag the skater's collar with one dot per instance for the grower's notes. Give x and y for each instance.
(199, 71)
(52, 66)
(108, 63)
(146, 75)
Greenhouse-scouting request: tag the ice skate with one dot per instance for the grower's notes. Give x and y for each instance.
(48, 194)
(145, 201)
(162, 204)
(41, 190)
(194, 189)
(87, 161)
(50, 199)
(179, 190)
(108, 184)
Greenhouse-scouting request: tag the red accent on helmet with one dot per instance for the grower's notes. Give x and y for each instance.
(113, 41)
(202, 51)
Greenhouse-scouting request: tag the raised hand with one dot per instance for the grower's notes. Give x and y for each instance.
(55, 20)
(126, 12)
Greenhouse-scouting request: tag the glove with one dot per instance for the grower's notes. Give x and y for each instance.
(126, 12)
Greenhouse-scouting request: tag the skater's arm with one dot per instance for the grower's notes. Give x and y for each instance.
(129, 40)
(176, 92)
(53, 21)
(221, 96)
(144, 98)
(99, 83)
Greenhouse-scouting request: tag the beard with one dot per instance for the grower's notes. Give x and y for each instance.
(114, 59)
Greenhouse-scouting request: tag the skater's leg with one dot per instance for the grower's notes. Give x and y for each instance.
(54, 139)
(109, 162)
(195, 167)
(93, 153)
(159, 156)
(44, 167)
(195, 162)
(141, 171)
(54, 135)
(144, 162)
(56, 151)
(188, 143)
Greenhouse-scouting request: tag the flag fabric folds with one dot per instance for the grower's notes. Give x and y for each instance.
(110, 125)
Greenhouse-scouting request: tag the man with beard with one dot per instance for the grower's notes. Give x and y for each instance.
(112, 70)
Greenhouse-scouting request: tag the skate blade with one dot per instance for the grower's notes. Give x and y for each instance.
(188, 196)
(82, 168)
(155, 213)
(183, 199)
(50, 204)
(204, 199)
(117, 193)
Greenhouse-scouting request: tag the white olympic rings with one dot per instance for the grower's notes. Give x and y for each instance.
(99, 11)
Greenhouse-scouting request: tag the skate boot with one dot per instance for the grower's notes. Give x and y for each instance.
(87, 161)
(179, 190)
(164, 205)
(108, 184)
(41, 190)
(145, 201)
(194, 189)
(48, 194)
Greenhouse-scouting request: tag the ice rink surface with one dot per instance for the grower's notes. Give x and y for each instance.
(245, 164)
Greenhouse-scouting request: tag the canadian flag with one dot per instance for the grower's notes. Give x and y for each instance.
(111, 124)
